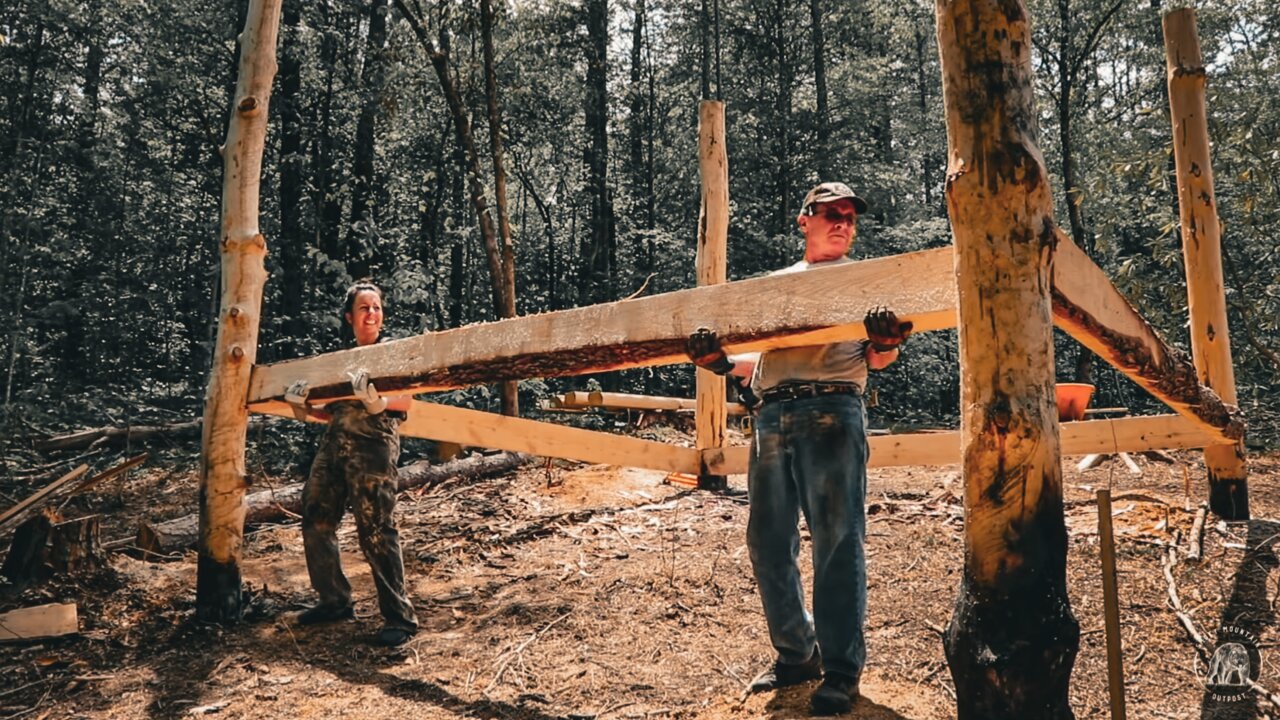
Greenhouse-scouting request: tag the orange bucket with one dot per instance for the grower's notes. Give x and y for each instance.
(1073, 398)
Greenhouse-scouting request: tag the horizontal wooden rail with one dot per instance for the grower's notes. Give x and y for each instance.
(578, 399)
(488, 430)
(1131, 434)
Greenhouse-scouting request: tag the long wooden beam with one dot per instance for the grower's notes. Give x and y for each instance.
(481, 429)
(712, 264)
(1087, 306)
(756, 314)
(1132, 434)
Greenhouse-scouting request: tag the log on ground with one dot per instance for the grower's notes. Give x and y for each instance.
(286, 501)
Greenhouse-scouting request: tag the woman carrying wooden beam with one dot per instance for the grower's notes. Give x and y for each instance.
(356, 466)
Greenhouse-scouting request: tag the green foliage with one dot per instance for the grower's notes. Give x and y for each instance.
(110, 116)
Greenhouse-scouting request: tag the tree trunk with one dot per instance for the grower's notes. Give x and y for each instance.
(510, 389)
(362, 231)
(782, 120)
(704, 42)
(820, 73)
(1202, 254)
(713, 233)
(293, 246)
(222, 471)
(598, 253)
(328, 186)
(1012, 639)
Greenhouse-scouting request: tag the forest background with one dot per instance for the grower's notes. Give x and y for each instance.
(112, 112)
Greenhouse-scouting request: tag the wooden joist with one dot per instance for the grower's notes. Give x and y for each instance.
(1088, 307)
(756, 314)
(1131, 434)
(488, 430)
(576, 400)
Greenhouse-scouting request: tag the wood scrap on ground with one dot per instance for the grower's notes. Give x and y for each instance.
(285, 501)
(16, 515)
(36, 623)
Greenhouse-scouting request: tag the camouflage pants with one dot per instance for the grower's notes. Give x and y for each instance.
(356, 467)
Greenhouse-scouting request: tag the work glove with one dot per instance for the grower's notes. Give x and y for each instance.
(366, 393)
(703, 348)
(296, 396)
(748, 396)
(884, 330)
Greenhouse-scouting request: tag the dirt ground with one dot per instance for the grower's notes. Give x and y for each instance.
(572, 592)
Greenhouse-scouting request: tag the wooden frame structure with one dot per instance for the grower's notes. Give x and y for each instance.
(935, 289)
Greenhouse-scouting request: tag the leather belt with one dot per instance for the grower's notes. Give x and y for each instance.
(797, 391)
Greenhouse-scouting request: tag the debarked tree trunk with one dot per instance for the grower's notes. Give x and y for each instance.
(1012, 640)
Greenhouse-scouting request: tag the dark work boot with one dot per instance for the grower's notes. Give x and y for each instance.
(835, 695)
(393, 636)
(325, 614)
(783, 675)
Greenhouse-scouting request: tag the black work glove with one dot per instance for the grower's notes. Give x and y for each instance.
(884, 330)
(703, 348)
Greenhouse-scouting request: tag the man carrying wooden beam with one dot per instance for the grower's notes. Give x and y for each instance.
(809, 454)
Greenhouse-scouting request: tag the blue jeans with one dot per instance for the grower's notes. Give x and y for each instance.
(810, 456)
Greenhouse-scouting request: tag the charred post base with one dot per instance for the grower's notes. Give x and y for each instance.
(219, 598)
(1229, 497)
(1011, 657)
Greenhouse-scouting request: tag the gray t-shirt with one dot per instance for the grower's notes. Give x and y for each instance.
(841, 362)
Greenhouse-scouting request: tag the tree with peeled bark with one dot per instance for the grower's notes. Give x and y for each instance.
(1202, 253)
(222, 468)
(1012, 639)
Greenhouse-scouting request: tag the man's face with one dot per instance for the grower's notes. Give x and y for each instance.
(829, 231)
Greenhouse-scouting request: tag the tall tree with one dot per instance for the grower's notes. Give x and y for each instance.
(510, 394)
(599, 251)
(362, 232)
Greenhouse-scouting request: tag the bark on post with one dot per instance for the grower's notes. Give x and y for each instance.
(1202, 253)
(222, 472)
(713, 233)
(1012, 639)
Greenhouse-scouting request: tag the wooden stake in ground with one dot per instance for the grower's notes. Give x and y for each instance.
(1012, 639)
(1111, 607)
(713, 234)
(1202, 253)
(222, 471)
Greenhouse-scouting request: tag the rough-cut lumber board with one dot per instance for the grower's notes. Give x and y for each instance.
(576, 400)
(1131, 434)
(285, 501)
(756, 314)
(1012, 639)
(712, 265)
(1202, 252)
(1088, 307)
(15, 515)
(42, 621)
(489, 430)
(112, 473)
(222, 471)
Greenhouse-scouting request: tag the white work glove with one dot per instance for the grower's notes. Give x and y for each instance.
(296, 396)
(366, 393)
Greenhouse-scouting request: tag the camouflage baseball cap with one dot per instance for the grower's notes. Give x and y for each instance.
(830, 192)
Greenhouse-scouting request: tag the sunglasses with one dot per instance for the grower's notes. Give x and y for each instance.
(833, 214)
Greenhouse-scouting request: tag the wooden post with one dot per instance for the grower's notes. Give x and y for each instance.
(1012, 639)
(1111, 607)
(222, 472)
(713, 234)
(1202, 253)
